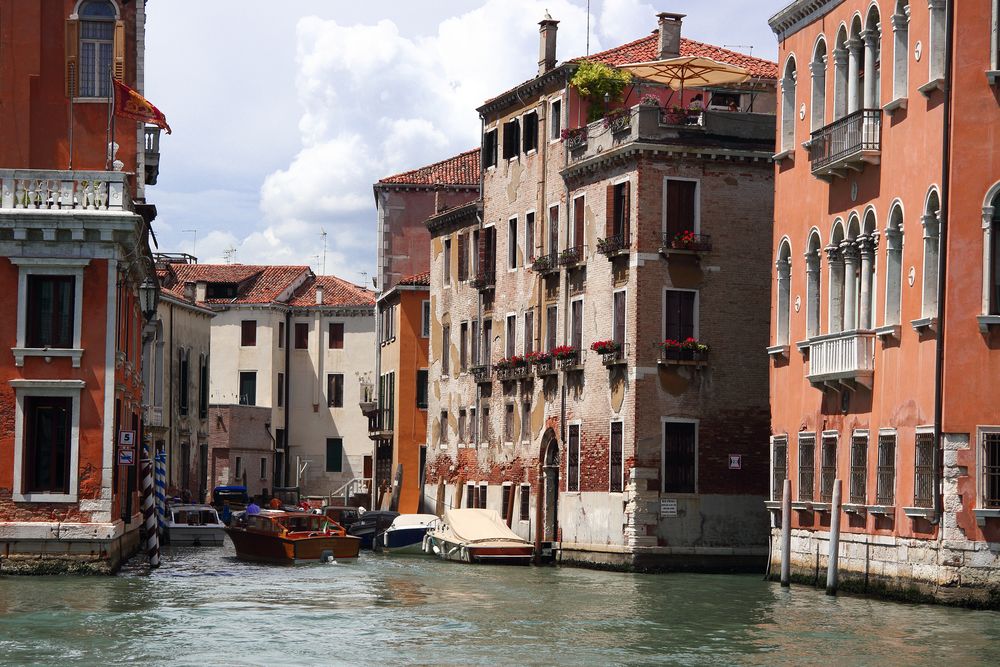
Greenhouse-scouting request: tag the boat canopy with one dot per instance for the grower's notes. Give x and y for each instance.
(479, 525)
(407, 520)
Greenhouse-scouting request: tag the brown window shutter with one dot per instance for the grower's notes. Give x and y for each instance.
(72, 58)
(627, 211)
(119, 51)
(609, 217)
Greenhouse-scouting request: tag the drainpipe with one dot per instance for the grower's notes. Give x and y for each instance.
(479, 301)
(288, 396)
(943, 261)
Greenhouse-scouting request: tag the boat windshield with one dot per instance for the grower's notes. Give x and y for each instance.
(306, 522)
(194, 517)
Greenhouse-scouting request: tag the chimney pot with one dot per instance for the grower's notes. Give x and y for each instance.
(670, 34)
(319, 295)
(547, 29)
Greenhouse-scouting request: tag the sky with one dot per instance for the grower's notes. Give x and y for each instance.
(285, 113)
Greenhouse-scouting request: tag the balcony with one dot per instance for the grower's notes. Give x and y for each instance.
(842, 360)
(484, 280)
(545, 264)
(685, 243)
(380, 424)
(572, 256)
(152, 154)
(512, 373)
(847, 144)
(613, 246)
(482, 374)
(41, 190)
(153, 415)
(682, 357)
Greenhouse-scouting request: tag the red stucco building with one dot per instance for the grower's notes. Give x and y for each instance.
(885, 307)
(74, 230)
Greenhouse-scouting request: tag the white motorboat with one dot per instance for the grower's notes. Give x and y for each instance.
(406, 534)
(476, 536)
(197, 525)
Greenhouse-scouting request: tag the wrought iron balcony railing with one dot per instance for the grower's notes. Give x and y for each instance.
(847, 142)
(485, 280)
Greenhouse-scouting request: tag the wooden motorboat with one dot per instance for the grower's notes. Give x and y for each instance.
(476, 536)
(406, 534)
(197, 525)
(370, 525)
(291, 537)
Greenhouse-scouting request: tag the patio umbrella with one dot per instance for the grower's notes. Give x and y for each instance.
(689, 71)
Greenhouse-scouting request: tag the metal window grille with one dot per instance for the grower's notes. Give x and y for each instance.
(573, 459)
(859, 469)
(779, 467)
(923, 470)
(828, 468)
(807, 467)
(615, 458)
(991, 469)
(885, 488)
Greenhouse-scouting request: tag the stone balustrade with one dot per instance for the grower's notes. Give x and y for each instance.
(37, 189)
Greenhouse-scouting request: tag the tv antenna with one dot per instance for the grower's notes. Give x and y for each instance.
(194, 242)
(230, 254)
(747, 47)
(322, 232)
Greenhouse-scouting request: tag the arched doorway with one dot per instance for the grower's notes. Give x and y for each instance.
(550, 496)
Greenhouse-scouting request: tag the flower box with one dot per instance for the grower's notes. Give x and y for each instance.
(571, 256)
(575, 138)
(618, 120)
(612, 245)
(687, 352)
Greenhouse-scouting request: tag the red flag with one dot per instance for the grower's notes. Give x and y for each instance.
(130, 104)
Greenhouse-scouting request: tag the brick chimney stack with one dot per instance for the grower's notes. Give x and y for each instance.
(547, 28)
(670, 34)
(319, 295)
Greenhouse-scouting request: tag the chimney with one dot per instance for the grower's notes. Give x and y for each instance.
(670, 34)
(547, 28)
(200, 290)
(319, 295)
(189, 292)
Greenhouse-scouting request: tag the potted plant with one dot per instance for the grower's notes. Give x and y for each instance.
(565, 353)
(684, 240)
(599, 85)
(574, 138)
(536, 358)
(541, 263)
(569, 256)
(650, 100)
(608, 246)
(605, 347)
(675, 115)
(503, 364)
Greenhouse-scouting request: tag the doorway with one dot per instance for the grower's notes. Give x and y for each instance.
(550, 470)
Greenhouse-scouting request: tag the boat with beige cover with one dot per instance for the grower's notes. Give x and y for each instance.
(476, 536)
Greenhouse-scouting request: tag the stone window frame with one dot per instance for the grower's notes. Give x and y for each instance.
(783, 293)
(787, 97)
(663, 462)
(695, 315)
(817, 70)
(578, 425)
(894, 253)
(57, 388)
(776, 441)
(664, 223)
(554, 133)
(993, 75)
(48, 266)
(513, 241)
(425, 318)
(900, 20)
(990, 312)
(621, 482)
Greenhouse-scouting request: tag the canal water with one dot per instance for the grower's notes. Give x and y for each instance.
(204, 607)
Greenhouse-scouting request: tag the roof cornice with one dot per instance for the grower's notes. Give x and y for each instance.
(441, 220)
(517, 94)
(799, 14)
(590, 165)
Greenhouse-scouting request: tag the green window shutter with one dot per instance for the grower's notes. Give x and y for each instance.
(334, 454)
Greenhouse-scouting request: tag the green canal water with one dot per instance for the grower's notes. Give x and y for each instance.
(204, 607)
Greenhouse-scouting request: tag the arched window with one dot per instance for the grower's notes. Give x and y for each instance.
(835, 260)
(991, 252)
(851, 253)
(788, 106)
(900, 49)
(95, 49)
(867, 245)
(855, 60)
(783, 271)
(813, 280)
(872, 38)
(840, 85)
(894, 265)
(818, 70)
(932, 223)
(937, 40)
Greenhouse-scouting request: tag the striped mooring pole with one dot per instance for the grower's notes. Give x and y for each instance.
(149, 512)
(161, 489)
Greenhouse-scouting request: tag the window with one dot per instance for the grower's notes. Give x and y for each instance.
(828, 467)
(900, 49)
(425, 319)
(470, 495)
(475, 248)
(991, 468)
(529, 331)
(334, 454)
(991, 252)
(680, 314)
(203, 387)
(183, 380)
(579, 218)
(932, 225)
(462, 425)
(263, 467)
(681, 211)
(679, 457)
(473, 427)
(483, 489)
(779, 465)
(553, 229)
(221, 291)
(239, 468)
(248, 333)
(807, 466)
(618, 318)
(525, 498)
(443, 432)
(617, 480)
(783, 270)
(484, 429)
(336, 336)
(474, 344)
(50, 311)
(446, 349)
(526, 421)
(894, 265)
(995, 42)
(555, 120)
(937, 39)
(576, 324)
(301, 335)
(551, 324)
(511, 139)
(885, 483)
(447, 262)
(487, 346)
(530, 138)
(573, 459)
(248, 387)
(101, 50)
(281, 390)
(281, 335)
(859, 468)
(463, 257)
(813, 286)
(490, 148)
(512, 243)
(506, 493)
(529, 235)
(923, 470)
(422, 383)
(335, 390)
(463, 342)
(818, 70)
(511, 336)
(48, 446)
(788, 110)
(508, 423)
(618, 213)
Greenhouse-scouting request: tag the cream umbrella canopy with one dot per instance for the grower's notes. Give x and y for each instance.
(688, 71)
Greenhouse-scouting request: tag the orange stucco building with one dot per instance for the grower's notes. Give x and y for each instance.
(74, 251)
(885, 307)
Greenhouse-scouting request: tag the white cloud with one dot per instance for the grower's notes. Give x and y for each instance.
(625, 20)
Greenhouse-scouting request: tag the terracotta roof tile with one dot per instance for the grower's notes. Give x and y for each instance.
(647, 49)
(463, 169)
(257, 283)
(417, 279)
(336, 292)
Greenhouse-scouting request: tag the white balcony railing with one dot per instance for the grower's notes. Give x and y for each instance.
(847, 357)
(37, 189)
(154, 415)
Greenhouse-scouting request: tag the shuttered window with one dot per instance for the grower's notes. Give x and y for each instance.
(530, 138)
(50, 311)
(529, 236)
(336, 335)
(681, 206)
(525, 502)
(511, 139)
(553, 229)
(94, 50)
(248, 333)
(48, 443)
(529, 331)
(463, 257)
(334, 455)
(490, 148)
(335, 390)
(618, 328)
(573, 459)
(578, 218)
(617, 213)
(679, 314)
(446, 349)
(679, 457)
(551, 315)
(463, 344)
(301, 335)
(576, 310)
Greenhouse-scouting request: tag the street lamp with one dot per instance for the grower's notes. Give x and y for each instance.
(149, 297)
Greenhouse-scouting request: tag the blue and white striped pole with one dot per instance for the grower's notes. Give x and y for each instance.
(152, 534)
(161, 489)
